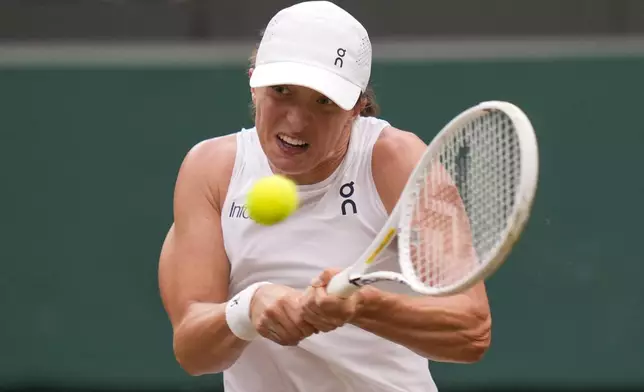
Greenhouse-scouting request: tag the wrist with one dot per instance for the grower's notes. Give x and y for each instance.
(372, 302)
(238, 313)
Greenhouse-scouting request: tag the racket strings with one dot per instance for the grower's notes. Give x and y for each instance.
(464, 200)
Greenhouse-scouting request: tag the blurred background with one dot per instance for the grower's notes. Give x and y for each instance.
(101, 99)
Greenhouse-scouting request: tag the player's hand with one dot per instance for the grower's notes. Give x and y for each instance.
(276, 314)
(327, 312)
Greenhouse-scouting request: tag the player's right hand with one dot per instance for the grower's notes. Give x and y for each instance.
(276, 314)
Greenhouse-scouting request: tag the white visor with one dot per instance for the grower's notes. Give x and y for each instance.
(338, 89)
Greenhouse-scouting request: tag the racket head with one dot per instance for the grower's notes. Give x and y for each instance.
(501, 177)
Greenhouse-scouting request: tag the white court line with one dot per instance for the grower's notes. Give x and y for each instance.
(386, 50)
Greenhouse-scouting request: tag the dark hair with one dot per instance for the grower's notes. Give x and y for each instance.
(368, 97)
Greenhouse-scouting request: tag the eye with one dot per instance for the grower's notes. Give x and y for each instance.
(324, 101)
(280, 89)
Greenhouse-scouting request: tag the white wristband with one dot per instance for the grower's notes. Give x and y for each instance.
(238, 313)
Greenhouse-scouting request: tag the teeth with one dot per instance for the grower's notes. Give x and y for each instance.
(291, 140)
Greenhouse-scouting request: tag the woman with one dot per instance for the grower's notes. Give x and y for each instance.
(240, 296)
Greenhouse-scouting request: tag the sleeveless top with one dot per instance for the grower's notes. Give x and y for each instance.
(336, 220)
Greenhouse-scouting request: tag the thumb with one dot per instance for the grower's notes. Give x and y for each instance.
(325, 277)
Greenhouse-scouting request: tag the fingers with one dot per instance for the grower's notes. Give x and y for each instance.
(273, 330)
(325, 277)
(283, 324)
(324, 312)
(295, 314)
(287, 316)
(312, 315)
(334, 307)
(280, 331)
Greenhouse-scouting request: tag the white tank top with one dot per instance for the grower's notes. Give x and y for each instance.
(337, 219)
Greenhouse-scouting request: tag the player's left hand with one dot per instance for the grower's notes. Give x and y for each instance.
(327, 312)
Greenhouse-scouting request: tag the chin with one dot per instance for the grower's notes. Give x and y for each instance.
(288, 162)
(289, 166)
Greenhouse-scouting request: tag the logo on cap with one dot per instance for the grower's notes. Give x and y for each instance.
(341, 52)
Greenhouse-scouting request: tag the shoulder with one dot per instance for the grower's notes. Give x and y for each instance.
(217, 149)
(396, 151)
(395, 155)
(209, 164)
(393, 143)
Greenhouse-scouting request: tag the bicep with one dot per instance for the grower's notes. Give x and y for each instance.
(193, 265)
(394, 158)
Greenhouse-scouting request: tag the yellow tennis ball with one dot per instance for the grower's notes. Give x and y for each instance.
(272, 199)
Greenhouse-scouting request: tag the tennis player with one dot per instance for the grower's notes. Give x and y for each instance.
(250, 300)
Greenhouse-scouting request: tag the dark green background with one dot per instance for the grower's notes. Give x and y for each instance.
(89, 158)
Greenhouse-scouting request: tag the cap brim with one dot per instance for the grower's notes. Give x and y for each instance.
(344, 93)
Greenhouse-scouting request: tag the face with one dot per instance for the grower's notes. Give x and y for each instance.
(303, 133)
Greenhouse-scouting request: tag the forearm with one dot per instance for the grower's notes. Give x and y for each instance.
(441, 329)
(203, 343)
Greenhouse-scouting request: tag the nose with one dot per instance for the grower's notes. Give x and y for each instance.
(299, 117)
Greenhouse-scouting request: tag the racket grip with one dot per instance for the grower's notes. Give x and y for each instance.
(341, 286)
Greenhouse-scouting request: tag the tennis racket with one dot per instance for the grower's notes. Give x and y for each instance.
(463, 208)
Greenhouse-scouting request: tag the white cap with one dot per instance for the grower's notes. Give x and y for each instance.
(318, 45)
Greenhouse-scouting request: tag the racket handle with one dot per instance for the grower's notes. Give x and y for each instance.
(341, 286)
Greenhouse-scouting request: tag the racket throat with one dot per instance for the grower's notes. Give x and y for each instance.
(356, 281)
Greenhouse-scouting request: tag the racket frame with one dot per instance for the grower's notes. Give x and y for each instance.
(398, 223)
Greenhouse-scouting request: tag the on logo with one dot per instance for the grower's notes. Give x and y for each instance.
(346, 191)
(341, 53)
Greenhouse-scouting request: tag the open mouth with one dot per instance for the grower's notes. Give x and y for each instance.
(291, 144)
